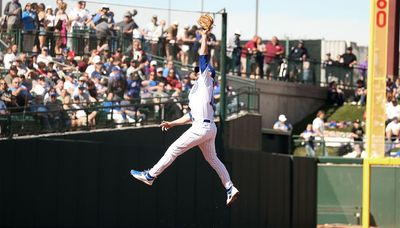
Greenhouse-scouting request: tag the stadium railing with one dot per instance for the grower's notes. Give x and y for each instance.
(339, 146)
(22, 121)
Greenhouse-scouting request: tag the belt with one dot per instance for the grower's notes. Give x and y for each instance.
(204, 120)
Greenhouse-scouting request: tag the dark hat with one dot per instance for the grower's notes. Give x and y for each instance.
(349, 48)
(357, 121)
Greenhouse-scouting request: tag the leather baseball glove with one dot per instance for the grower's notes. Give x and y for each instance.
(205, 21)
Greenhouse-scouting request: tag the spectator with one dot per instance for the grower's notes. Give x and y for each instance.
(249, 49)
(327, 64)
(174, 86)
(126, 27)
(28, 20)
(10, 56)
(61, 27)
(150, 42)
(50, 27)
(213, 44)
(273, 57)
(363, 68)
(103, 22)
(318, 124)
(12, 73)
(335, 94)
(392, 110)
(357, 153)
(13, 11)
(137, 53)
(159, 36)
(184, 41)
(79, 16)
(357, 131)
(392, 130)
(360, 94)
(282, 124)
(170, 66)
(171, 38)
(54, 106)
(306, 68)
(309, 136)
(349, 61)
(233, 50)
(295, 59)
(44, 56)
(41, 112)
(41, 23)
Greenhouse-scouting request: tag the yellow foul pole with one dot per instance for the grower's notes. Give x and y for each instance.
(376, 96)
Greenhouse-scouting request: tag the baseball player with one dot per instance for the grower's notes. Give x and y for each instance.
(202, 132)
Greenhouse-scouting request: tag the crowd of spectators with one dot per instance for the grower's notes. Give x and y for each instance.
(48, 78)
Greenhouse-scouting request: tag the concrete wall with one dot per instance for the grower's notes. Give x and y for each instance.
(296, 101)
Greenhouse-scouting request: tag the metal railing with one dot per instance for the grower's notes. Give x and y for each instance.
(101, 115)
(338, 147)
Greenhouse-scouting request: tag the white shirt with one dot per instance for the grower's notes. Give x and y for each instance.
(79, 17)
(158, 33)
(90, 69)
(201, 97)
(8, 59)
(150, 30)
(393, 127)
(392, 111)
(318, 125)
(44, 59)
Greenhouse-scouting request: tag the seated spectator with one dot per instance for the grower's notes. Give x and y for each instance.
(133, 86)
(282, 124)
(20, 92)
(358, 152)
(174, 86)
(335, 94)
(44, 56)
(392, 110)
(41, 112)
(159, 76)
(170, 66)
(10, 56)
(83, 118)
(357, 132)
(12, 73)
(309, 136)
(360, 94)
(393, 130)
(71, 120)
(151, 84)
(115, 112)
(54, 106)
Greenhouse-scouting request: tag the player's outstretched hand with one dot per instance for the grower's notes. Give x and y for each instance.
(165, 125)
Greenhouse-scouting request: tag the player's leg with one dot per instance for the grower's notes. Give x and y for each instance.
(192, 137)
(209, 153)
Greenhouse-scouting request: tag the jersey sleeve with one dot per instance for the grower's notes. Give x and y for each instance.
(203, 63)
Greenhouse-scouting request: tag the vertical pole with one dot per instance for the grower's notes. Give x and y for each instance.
(393, 44)
(1, 8)
(223, 67)
(202, 6)
(257, 4)
(169, 12)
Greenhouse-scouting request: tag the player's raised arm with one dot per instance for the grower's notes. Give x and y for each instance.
(204, 47)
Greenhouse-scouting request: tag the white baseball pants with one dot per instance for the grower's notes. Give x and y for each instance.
(199, 134)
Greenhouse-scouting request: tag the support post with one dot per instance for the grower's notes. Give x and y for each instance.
(223, 68)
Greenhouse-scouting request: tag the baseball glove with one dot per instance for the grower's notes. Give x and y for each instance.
(205, 21)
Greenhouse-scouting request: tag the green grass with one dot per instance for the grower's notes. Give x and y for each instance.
(345, 113)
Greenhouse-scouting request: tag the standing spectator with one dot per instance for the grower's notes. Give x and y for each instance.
(233, 50)
(273, 57)
(62, 26)
(126, 27)
(41, 15)
(159, 37)
(306, 68)
(360, 94)
(50, 27)
(249, 50)
(296, 60)
(363, 68)
(357, 131)
(282, 124)
(184, 43)
(260, 59)
(29, 27)
(309, 136)
(349, 61)
(335, 94)
(328, 65)
(150, 42)
(13, 11)
(172, 32)
(318, 124)
(103, 21)
(79, 17)
(213, 44)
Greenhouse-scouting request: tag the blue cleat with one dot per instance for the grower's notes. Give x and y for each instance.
(232, 195)
(143, 176)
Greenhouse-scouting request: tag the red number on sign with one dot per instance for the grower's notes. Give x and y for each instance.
(381, 14)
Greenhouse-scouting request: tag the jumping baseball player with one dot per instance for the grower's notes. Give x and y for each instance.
(202, 132)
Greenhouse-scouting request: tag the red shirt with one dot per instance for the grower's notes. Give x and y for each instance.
(174, 83)
(249, 45)
(271, 50)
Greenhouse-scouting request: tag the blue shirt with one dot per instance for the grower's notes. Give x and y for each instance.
(28, 19)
